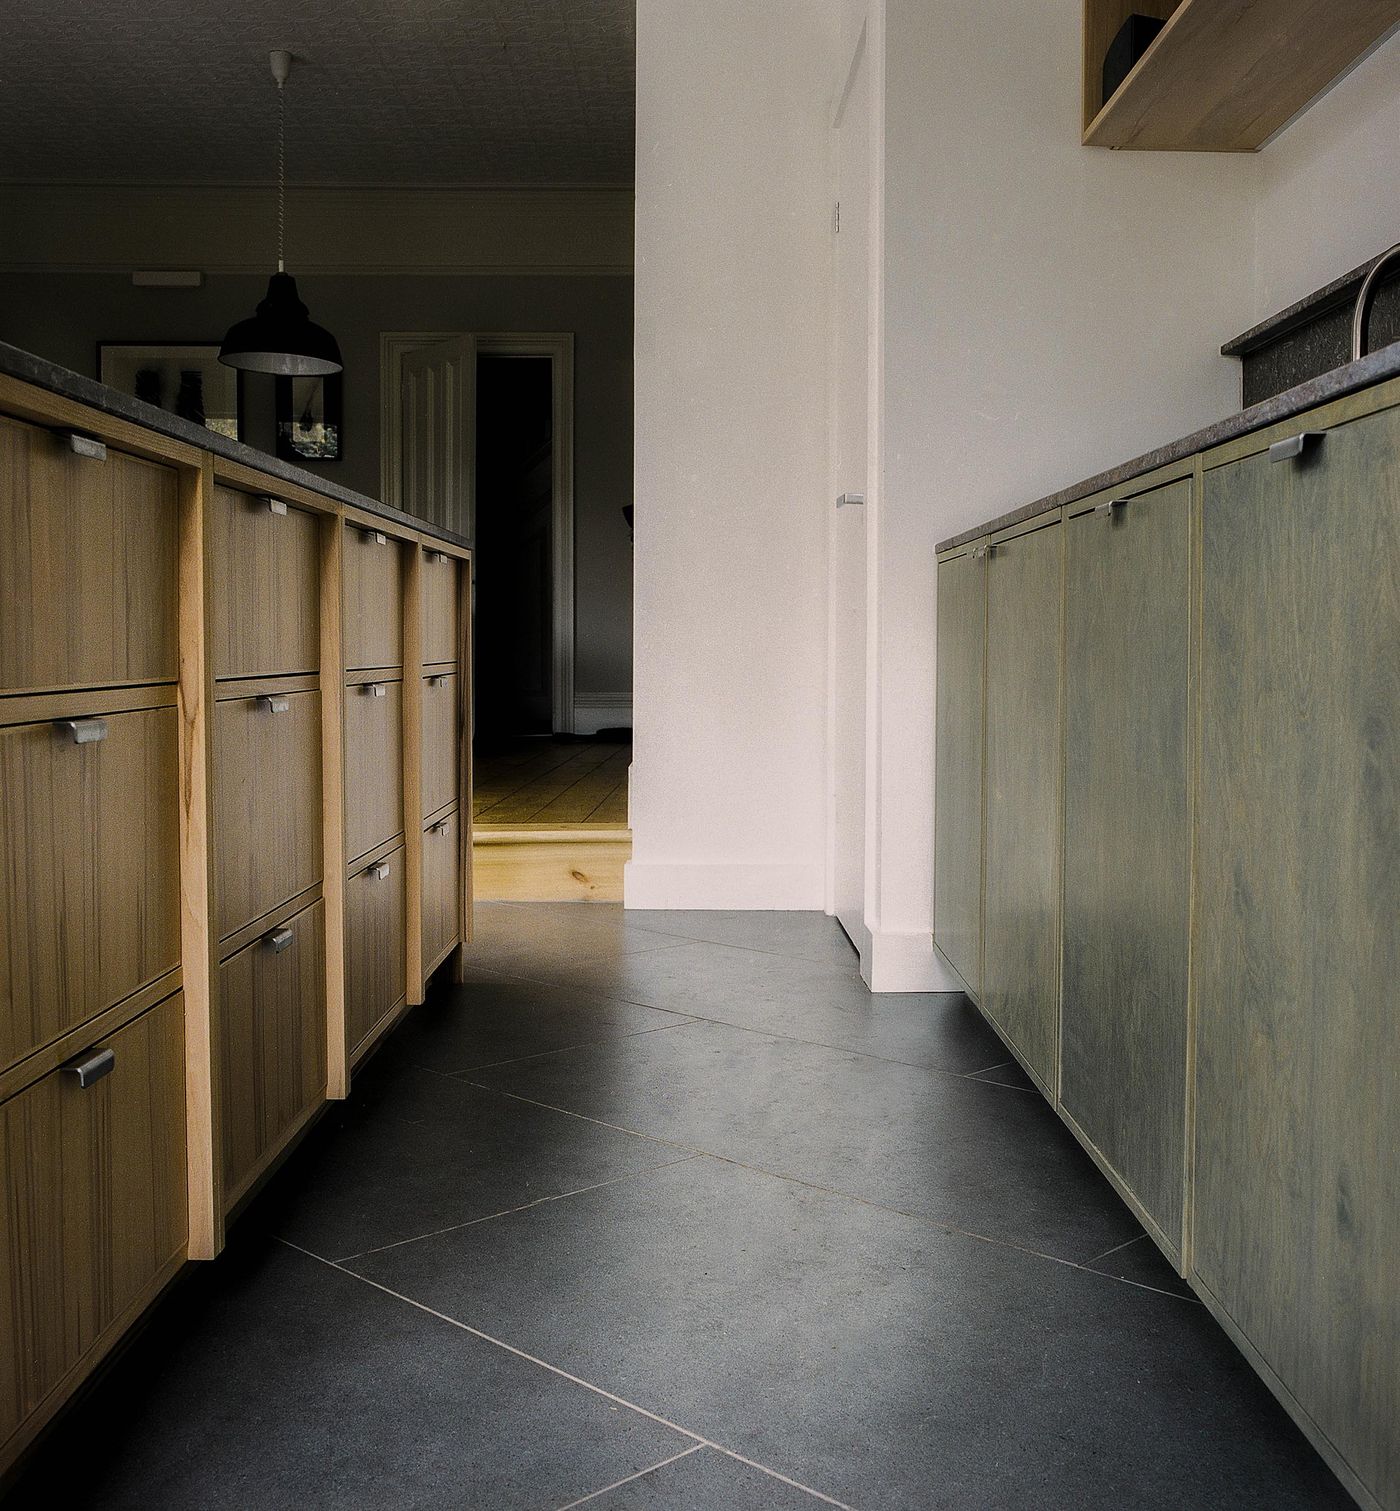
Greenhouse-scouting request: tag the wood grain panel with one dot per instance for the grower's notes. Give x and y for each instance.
(273, 1045)
(440, 742)
(957, 855)
(1297, 1187)
(87, 575)
(441, 889)
(333, 802)
(373, 599)
(267, 804)
(1021, 943)
(375, 979)
(439, 608)
(373, 767)
(92, 1205)
(266, 570)
(1123, 1000)
(90, 883)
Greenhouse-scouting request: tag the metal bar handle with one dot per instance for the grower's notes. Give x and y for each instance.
(275, 505)
(1105, 509)
(436, 679)
(83, 731)
(278, 940)
(1294, 445)
(87, 446)
(274, 703)
(376, 537)
(379, 870)
(440, 827)
(90, 1066)
(374, 689)
(978, 552)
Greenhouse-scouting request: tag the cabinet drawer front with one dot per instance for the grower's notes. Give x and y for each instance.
(1020, 966)
(375, 967)
(87, 576)
(373, 600)
(89, 886)
(267, 804)
(439, 608)
(92, 1203)
(1127, 841)
(272, 1003)
(373, 766)
(440, 742)
(441, 889)
(265, 572)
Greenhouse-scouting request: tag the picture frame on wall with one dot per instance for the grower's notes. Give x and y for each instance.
(183, 378)
(309, 422)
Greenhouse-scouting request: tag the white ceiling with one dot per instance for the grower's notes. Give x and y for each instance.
(528, 92)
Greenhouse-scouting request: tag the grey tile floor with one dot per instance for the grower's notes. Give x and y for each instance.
(665, 1210)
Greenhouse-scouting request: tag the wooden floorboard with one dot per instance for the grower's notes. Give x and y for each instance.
(546, 783)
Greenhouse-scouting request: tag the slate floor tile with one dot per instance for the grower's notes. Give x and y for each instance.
(1143, 1263)
(870, 1356)
(804, 936)
(705, 1480)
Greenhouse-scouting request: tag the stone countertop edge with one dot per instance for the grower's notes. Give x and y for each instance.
(1336, 384)
(1341, 291)
(28, 368)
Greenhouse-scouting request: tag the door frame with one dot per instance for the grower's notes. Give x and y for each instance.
(559, 347)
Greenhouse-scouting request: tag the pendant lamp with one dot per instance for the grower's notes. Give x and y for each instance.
(281, 337)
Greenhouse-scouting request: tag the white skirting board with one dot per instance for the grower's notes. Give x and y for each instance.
(907, 963)
(593, 714)
(752, 888)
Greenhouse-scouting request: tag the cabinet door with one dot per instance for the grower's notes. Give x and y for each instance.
(266, 576)
(1021, 946)
(375, 964)
(439, 608)
(373, 765)
(89, 871)
(272, 1009)
(92, 1204)
(87, 573)
(1297, 1178)
(440, 742)
(957, 855)
(441, 889)
(1127, 841)
(267, 803)
(372, 600)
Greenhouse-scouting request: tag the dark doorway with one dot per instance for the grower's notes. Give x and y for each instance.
(514, 548)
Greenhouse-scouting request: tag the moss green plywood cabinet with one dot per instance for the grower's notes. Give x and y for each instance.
(1123, 992)
(957, 879)
(1021, 939)
(1297, 1184)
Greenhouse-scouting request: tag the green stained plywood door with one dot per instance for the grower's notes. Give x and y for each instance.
(1297, 1190)
(1021, 940)
(957, 855)
(1123, 996)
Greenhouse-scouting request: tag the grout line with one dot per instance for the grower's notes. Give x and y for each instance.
(640, 1474)
(698, 1439)
(1000, 1065)
(774, 1474)
(563, 1049)
(1094, 1258)
(539, 1201)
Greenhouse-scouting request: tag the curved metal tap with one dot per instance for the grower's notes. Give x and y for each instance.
(1362, 314)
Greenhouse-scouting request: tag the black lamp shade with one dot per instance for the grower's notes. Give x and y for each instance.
(281, 338)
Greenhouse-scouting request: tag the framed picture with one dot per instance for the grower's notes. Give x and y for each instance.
(185, 378)
(308, 418)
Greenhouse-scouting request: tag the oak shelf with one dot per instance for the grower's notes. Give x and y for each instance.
(1222, 75)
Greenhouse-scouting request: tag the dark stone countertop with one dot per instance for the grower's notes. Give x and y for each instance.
(28, 368)
(1376, 368)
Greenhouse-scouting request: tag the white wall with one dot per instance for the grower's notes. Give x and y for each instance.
(1328, 199)
(732, 276)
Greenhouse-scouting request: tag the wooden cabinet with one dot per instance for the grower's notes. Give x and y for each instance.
(439, 609)
(373, 765)
(372, 599)
(267, 795)
(442, 894)
(89, 874)
(375, 962)
(1127, 851)
(1297, 1180)
(87, 573)
(93, 1214)
(266, 577)
(1021, 945)
(441, 741)
(272, 997)
(957, 880)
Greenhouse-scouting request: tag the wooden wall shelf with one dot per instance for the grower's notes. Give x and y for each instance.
(1222, 75)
